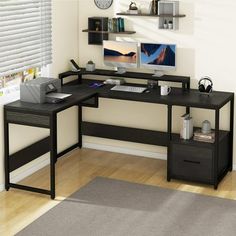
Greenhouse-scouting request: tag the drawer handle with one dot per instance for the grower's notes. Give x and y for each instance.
(192, 162)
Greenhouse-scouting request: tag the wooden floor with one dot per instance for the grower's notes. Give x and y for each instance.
(19, 208)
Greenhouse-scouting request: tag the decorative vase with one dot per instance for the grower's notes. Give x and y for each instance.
(170, 25)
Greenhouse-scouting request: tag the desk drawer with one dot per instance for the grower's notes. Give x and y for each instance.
(191, 163)
(28, 119)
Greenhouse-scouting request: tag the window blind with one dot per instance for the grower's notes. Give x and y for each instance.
(25, 35)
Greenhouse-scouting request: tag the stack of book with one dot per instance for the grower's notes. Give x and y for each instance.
(116, 24)
(186, 131)
(201, 137)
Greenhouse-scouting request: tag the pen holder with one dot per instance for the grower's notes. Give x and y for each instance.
(90, 66)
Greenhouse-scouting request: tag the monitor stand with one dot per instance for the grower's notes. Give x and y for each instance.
(120, 70)
(158, 73)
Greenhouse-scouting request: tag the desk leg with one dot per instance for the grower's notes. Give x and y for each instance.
(187, 110)
(80, 121)
(79, 79)
(169, 130)
(186, 86)
(231, 133)
(53, 153)
(6, 152)
(215, 167)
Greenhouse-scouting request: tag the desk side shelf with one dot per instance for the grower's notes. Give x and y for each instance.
(175, 138)
(198, 161)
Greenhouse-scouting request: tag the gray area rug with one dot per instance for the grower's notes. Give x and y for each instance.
(107, 207)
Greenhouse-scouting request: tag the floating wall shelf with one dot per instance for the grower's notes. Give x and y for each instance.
(150, 15)
(98, 30)
(168, 14)
(108, 32)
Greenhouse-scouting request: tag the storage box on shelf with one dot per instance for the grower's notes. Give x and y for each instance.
(97, 24)
(168, 12)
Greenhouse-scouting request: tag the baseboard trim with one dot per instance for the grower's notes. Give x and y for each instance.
(130, 151)
(1, 187)
(27, 172)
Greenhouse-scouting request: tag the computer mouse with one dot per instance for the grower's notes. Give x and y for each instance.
(147, 91)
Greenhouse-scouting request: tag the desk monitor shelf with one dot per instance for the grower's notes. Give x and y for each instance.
(184, 80)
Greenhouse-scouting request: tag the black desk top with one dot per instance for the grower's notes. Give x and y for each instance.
(77, 97)
(178, 97)
(83, 92)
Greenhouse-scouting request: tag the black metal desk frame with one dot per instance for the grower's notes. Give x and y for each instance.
(180, 97)
(216, 178)
(156, 137)
(44, 118)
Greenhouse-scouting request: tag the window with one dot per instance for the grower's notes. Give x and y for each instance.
(9, 84)
(25, 35)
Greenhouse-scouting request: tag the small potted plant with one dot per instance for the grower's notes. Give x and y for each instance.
(170, 24)
(165, 25)
(90, 66)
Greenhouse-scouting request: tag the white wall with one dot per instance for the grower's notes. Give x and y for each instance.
(206, 46)
(65, 47)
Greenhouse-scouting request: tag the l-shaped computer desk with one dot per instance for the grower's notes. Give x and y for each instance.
(186, 159)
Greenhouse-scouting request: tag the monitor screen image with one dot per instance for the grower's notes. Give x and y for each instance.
(158, 56)
(120, 54)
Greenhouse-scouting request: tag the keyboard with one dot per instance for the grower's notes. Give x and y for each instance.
(130, 89)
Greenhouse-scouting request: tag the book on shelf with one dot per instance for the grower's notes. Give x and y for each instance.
(116, 24)
(121, 23)
(203, 140)
(202, 137)
(154, 7)
(186, 131)
(110, 25)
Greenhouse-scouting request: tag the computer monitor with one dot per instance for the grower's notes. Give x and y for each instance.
(160, 57)
(120, 54)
